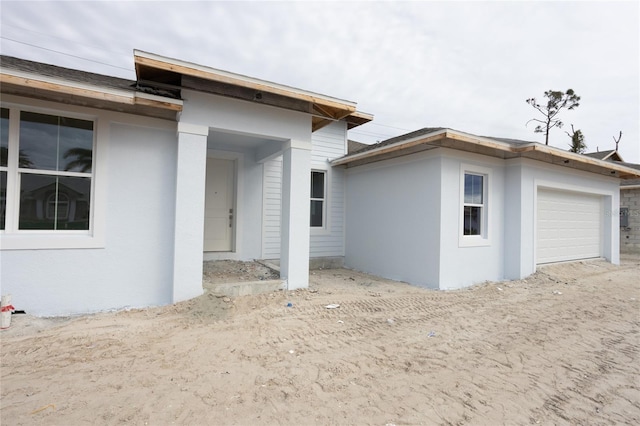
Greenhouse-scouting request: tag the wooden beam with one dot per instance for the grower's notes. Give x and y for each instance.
(237, 80)
(61, 87)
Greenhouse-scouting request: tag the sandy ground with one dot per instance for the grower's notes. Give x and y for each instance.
(561, 347)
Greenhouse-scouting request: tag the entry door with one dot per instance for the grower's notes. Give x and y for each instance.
(219, 217)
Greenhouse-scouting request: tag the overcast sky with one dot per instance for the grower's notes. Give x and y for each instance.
(469, 66)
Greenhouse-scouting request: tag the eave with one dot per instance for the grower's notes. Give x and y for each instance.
(452, 139)
(20, 83)
(175, 74)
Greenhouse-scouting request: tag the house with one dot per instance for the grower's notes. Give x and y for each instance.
(630, 213)
(629, 203)
(113, 192)
(445, 209)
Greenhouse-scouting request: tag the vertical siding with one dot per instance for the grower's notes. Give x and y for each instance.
(272, 199)
(328, 143)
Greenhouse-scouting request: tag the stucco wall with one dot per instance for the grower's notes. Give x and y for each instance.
(460, 265)
(134, 268)
(630, 236)
(393, 216)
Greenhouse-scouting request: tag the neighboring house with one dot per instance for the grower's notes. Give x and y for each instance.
(630, 214)
(114, 191)
(629, 203)
(445, 209)
(610, 155)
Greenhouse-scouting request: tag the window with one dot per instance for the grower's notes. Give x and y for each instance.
(318, 198)
(4, 156)
(48, 165)
(473, 204)
(475, 207)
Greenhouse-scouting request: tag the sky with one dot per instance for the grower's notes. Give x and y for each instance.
(466, 65)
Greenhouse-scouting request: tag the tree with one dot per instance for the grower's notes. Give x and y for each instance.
(557, 101)
(577, 144)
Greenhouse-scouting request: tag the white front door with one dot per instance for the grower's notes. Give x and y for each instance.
(219, 216)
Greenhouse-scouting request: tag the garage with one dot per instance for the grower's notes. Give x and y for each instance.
(569, 226)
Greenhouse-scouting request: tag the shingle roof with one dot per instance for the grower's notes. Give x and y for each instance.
(353, 146)
(77, 76)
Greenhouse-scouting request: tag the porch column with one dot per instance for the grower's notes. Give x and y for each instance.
(189, 214)
(294, 243)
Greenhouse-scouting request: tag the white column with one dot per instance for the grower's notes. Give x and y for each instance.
(294, 244)
(189, 214)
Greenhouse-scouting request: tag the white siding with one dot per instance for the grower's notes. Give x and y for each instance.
(328, 143)
(272, 199)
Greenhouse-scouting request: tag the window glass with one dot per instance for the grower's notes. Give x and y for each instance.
(4, 136)
(317, 185)
(473, 188)
(316, 212)
(54, 202)
(472, 218)
(55, 143)
(3, 198)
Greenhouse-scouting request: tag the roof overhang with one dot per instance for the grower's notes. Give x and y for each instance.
(168, 73)
(453, 139)
(21, 83)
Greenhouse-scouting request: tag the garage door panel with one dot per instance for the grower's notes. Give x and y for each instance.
(569, 226)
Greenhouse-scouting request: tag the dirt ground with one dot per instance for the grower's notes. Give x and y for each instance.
(561, 347)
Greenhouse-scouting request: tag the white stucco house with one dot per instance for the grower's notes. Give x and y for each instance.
(445, 209)
(113, 192)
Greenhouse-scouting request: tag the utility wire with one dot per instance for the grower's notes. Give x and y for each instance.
(63, 53)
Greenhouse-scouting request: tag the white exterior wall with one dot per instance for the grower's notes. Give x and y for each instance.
(393, 217)
(461, 266)
(328, 143)
(404, 217)
(533, 175)
(134, 265)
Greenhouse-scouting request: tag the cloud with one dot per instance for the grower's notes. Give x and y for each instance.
(466, 65)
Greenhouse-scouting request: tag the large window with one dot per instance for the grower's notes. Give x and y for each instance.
(318, 198)
(47, 171)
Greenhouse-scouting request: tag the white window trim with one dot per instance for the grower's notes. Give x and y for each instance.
(485, 238)
(324, 229)
(15, 239)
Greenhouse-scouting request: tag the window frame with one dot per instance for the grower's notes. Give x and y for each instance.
(14, 238)
(325, 199)
(483, 238)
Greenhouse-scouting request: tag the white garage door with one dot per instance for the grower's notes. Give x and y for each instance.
(569, 226)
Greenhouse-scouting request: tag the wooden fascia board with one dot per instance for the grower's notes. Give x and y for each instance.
(33, 81)
(390, 148)
(624, 172)
(158, 101)
(153, 61)
(439, 138)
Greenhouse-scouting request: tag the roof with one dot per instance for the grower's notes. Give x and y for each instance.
(611, 155)
(439, 137)
(171, 74)
(49, 82)
(353, 146)
(157, 90)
